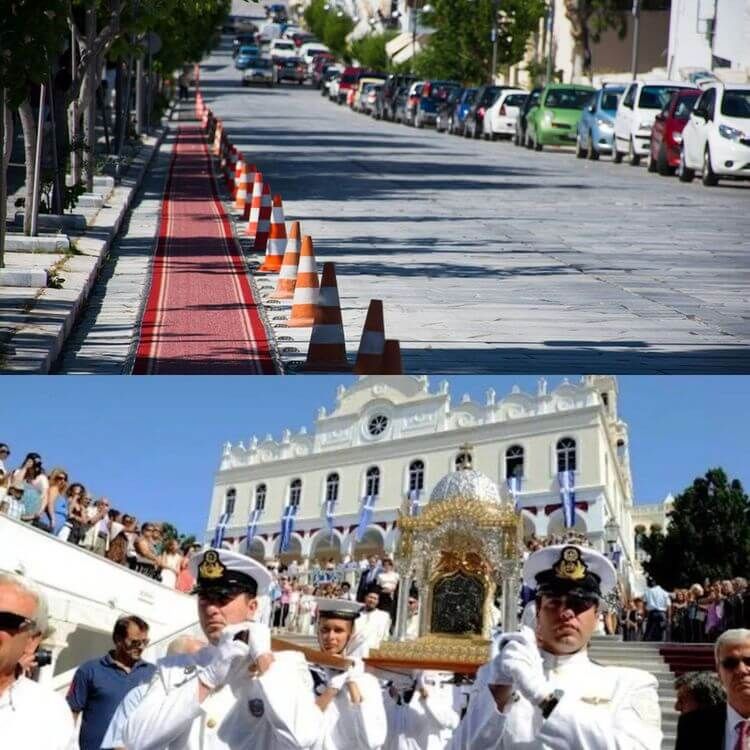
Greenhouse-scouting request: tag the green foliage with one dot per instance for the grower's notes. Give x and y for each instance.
(708, 535)
(328, 26)
(461, 47)
(370, 50)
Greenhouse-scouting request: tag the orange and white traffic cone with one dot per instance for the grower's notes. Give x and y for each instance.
(231, 169)
(392, 358)
(239, 169)
(372, 344)
(216, 150)
(288, 273)
(240, 198)
(306, 289)
(256, 200)
(327, 350)
(260, 242)
(252, 173)
(276, 238)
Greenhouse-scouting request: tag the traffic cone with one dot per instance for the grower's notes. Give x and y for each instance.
(276, 238)
(231, 169)
(306, 289)
(216, 150)
(372, 344)
(327, 350)
(239, 170)
(240, 197)
(260, 242)
(251, 170)
(392, 358)
(288, 273)
(256, 200)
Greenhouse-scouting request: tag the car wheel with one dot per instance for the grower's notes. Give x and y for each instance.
(537, 146)
(591, 151)
(633, 159)
(580, 153)
(684, 172)
(651, 163)
(466, 130)
(662, 165)
(494, 136)
(616, 155)
(708, 178)
(527, 141)
(418, 121)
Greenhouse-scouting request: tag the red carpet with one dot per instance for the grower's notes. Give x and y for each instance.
(200, 315)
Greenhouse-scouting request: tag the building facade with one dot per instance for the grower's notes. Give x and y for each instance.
(389, 440)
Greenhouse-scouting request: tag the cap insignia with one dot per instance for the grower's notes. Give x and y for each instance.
(211, 567)
(571, 566)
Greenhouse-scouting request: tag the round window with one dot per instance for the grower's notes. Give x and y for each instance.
(377, 425)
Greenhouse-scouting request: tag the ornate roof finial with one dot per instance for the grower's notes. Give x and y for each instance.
(465, 451)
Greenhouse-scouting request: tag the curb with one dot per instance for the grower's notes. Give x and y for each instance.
(35, 346)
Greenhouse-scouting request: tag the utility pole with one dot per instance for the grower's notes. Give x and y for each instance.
(636, 29)
(551, 48)
(90, 119)
(38, 162)
(495, 10)
(139, 95)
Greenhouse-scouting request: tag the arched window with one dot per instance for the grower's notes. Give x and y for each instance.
(295, 492)
(372, 482)
(566, 454)
(416, 476)
(622, 451)
(229, 500)
(514, 462)
(332, 487)
(463, 460)
(260, 497)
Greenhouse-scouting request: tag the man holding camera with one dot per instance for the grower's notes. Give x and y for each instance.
(234, 693)
(32, 716)
(542, 690)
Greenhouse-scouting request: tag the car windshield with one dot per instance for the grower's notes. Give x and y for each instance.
(283, 45)
(441, 93)
(736, 103)
(514, 100)
(248, 50)
(609, 100)
(655, 97)
(261, 63)
(469, 97)
(490, 95)
(685, 106)
(566, 98)
(349, 78)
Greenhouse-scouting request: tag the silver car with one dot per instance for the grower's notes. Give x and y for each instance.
(258, 71)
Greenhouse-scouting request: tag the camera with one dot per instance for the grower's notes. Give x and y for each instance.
(43, 657)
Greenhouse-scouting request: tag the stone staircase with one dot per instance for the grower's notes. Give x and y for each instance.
(611, 651)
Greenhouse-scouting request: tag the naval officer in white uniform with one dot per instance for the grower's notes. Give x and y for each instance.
(351, 702)
(542, 690)
(234, 694)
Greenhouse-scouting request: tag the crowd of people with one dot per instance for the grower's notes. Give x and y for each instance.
(49, 501)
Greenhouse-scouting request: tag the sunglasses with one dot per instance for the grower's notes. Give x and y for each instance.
(730, 663)
(137, 643)
(577, 604)
(10, 622)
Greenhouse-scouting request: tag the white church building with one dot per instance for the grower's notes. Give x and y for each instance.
(391, 439)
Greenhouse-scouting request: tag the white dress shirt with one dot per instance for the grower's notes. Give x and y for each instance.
(375, 624)
(732, 728)
(655, 598)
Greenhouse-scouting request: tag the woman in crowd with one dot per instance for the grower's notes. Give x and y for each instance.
(71, 528)
(715, 611)
(185, 580)
(171, 560)
(305, 610)
(678, 623)
(30, 475)
(695, 616)
(147, 560)
(56, 503)
(387, 582)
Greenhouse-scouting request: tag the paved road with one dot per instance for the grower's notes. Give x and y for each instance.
(491, 258)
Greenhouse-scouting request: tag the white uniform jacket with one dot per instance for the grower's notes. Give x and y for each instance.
(273, 711)
(602, 708)
(354, 726)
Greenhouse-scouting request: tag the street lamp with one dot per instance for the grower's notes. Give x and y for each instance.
(417, 10)
(636, 10)
(611, 533)
(550, 30)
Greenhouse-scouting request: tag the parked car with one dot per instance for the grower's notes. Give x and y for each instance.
(401, 103)
(334, 84)
(519, 138)
(369, 97)
(445, 110)
(290, 69)
(300, 37)
(309, 50)
(349, 79)
(326, 74)
(385, 106)
(635, 116)
(282, 48)
(242, 40)
(596, 128)
(463, 105)
(358, 91)
(666, 132)
(412, 102)
(319, 64)
(485, 98)
(259, 70)
(500, 118)
(554, 120)
(246, 55)
(716, 138)
(433, 93)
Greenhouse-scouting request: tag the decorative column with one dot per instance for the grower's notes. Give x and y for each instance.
(511, 586)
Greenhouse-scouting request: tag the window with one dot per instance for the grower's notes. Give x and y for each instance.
(621, 450)
(605, 399)
(655, 97)
(463, 461)
(736, 103)
(684, 106)
(416, 476)
(260, 497)
(514, 462)
(629, 97)
(566, 454)
(372, 482)
(609, 100)
(229, 501)
(377, 425)
(332, 487)
(295, 492)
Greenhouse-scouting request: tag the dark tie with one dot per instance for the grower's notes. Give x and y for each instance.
(743, 732)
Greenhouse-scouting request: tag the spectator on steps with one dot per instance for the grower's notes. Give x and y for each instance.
(118, 547)
(12, 503)
(171, 560)
(147, 561)
(696, 690)
(96, 513)
(35, 486)
(71, 529)
(4, 455)
(55, 503)
(657, 603)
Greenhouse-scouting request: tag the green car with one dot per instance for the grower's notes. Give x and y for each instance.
(554, 121)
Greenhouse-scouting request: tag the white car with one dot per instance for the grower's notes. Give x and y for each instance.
(638, 107)
(500, 118)
(309, 50)
(333, 88)
(716, 138)
(282, 48)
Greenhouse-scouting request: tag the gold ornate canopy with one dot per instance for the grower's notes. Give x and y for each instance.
(463, 546)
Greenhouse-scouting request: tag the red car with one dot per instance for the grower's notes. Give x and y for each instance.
(666, 132)
(349, 80)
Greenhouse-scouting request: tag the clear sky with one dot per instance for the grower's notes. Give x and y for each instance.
(153, 444)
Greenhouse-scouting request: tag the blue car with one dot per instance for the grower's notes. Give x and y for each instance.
(596, 128)
(463, 105)
(433, 94)
(248, 53)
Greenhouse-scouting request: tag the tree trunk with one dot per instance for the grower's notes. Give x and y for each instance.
(91, 83)
(28, 124)
(6, 144)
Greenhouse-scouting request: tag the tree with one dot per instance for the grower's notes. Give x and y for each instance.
(370, 52)
(708, 535)
(169, 531)
(331, 25)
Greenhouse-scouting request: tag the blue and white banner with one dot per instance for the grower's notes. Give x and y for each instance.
(252, 524)
(414, 506)
(514, 487)
(616, 556)
(330, 509)
(365, 515)
(567, 482)
(287, 526)
(220, 530)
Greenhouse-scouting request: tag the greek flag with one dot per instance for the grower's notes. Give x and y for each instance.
(252, 525)
(514, 487)
(566, 480)
(330, 507)
(616, 556)
(414, 496)
(365, 515)
(287, 526)
(220, 530)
